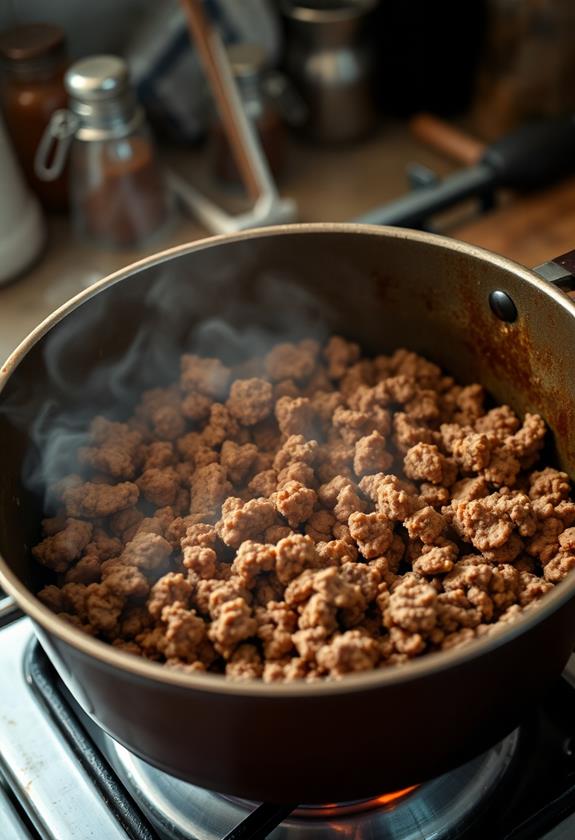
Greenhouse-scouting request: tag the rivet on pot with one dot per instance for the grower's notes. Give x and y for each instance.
(502, 306)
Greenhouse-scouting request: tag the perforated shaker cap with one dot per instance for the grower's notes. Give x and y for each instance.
(100, 95)
(97, 77)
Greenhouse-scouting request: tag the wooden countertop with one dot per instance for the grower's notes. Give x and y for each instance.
(531, 229)
(329, 184)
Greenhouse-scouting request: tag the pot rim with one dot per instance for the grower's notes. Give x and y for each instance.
(111, 657)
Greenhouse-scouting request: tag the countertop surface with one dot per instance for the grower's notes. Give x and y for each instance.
(329, 184)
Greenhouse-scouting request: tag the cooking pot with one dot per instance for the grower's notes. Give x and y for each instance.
(481, 317)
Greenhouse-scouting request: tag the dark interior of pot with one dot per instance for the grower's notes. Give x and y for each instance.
(238, 297)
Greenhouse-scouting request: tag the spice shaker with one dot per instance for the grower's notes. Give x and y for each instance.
(34, 61)
(117, 194)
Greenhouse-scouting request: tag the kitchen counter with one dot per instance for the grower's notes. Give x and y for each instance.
(329, 184)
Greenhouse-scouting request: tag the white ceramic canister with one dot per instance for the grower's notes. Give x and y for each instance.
(22, 230)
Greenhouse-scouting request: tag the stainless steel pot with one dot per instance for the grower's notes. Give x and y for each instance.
(385, 287)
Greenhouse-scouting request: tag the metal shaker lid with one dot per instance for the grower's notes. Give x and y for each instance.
(97, 77)
(101, 97)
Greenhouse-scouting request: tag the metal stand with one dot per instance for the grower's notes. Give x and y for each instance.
(268, 207)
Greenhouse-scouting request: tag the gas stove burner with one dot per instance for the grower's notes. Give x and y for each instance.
(444, 807)
(63, 778)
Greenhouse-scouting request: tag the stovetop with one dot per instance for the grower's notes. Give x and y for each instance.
(62, 778)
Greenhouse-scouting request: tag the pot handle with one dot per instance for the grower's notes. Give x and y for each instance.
(560, 271)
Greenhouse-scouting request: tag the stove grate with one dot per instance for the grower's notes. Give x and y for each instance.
(48, 688)
(537, 800)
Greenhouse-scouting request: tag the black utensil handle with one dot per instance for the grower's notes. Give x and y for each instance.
(415, 208)
(535, 155)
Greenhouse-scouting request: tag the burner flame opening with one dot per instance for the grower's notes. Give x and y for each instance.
(341, 809)
(388, 798)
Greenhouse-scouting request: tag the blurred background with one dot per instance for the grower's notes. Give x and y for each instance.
(129, 126)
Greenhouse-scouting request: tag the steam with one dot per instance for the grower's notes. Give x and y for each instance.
(101, 357)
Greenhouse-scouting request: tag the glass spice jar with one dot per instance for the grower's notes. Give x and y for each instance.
(118, 197)
(34, 61)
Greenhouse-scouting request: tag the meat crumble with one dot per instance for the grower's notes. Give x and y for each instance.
(306, 515)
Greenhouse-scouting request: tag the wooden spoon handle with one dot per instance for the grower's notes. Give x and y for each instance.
(446, 139)
(214, 62)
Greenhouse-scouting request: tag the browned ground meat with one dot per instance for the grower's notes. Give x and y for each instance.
(59, 551)
(306, 515)
(250, 401)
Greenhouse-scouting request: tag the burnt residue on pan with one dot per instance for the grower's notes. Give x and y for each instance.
(520, 371)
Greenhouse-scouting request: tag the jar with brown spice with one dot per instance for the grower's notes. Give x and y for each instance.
(117, 194)
(34, 61)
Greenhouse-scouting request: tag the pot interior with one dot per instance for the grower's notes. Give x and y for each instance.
(236, 297)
